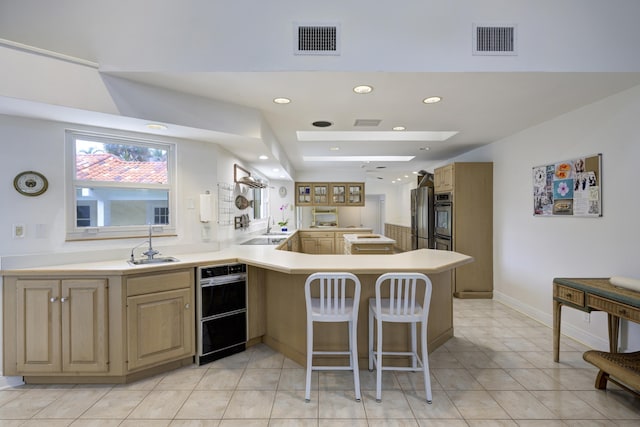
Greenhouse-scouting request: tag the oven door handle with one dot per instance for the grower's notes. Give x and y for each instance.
(223, 280)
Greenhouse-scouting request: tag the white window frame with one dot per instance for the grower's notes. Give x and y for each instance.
(74, 232)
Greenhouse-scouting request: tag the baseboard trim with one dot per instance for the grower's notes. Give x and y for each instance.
(580, 335)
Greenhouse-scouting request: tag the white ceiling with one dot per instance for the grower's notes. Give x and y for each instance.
(245, 60)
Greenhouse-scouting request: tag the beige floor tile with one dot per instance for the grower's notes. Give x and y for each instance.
(147, 384)
(279, 422)
(245, 423)
(259, 379)
(250, 404)
(443, 360)
(441, 406)
(26, 406)
(456, 379)
(492, 423)
(291, 404)
(510, 359)
(47, 423)
(592, 423)
(442, 423)
(145, 423)
(116, 404)
(614, 404)
(474, 359)
(95, 423)
(342, 423)
(295, 379)
(181, 379)
(8, 395)
(394, 405)
(72, 404)
(477, 404)
(567, 405)
(194, 423)
(415, 381)
(161, 404)
(339, 380)
(522, 405)
(368, 380)
(495, 379)
(336, 404)
(534, 379)
(202, 405)
(541, 423)
(573, 379)
(399, 422)
(235, 361)
(220, 379)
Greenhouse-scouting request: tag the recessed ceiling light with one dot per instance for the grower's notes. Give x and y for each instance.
(362, 89)
(157, 126)
(415, 172)
(276, 170)
(263, 157)
(406, 176)
(432, 100)
(281, 100)
(397, 128)
(425, 148)
(334, 148)
(322, 124)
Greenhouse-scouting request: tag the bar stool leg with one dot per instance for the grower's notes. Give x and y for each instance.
(414, 347)
(379, 363)
(353, 349)
(307, 393)
(370, 343)
(425, 362)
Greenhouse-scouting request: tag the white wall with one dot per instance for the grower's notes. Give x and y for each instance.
(530, 251)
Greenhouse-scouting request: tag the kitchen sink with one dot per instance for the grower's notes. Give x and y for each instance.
(266, 240)
(159, 260)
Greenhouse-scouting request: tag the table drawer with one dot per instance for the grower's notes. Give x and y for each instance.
(617, 309)
(565, 293)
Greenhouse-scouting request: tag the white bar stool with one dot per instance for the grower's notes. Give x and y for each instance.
(398, 304)
(332, 305)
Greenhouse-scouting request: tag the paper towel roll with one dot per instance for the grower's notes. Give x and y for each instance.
(626, 282)
(205, 207)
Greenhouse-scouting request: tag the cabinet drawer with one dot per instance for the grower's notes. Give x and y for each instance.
(615, 308)
(315, 234)
(159, 282)
(568, 294)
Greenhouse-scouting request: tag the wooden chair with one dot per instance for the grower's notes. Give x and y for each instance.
(623, 366)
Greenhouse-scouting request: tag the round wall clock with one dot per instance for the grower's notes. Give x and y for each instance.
(30, 183)
(283, 191)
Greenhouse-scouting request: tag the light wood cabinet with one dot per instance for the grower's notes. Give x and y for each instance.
(160, 318)
(472, 190)
(61, 326)
(443, 178)
(329, 194)
(317, 242)
(324, 216)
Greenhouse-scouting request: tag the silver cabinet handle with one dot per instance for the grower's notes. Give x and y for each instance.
(186, 306)
(64, 299)
(53, 299)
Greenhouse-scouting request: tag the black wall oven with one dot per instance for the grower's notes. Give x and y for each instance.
(221, 313)
(443, 230)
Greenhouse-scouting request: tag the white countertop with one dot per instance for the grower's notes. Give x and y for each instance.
(266, 256)
(367, 238)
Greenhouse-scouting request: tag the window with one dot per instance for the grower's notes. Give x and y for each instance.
(118, 187)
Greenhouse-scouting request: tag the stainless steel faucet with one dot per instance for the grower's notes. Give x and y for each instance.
(150, 252)
(269, 219)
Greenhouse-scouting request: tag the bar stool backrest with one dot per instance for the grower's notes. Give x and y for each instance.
(331, 291)
(401, 290)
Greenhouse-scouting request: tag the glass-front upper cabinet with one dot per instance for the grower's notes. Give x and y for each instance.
(320, 194)
(303, 194)
(356, 194)
(338, 194)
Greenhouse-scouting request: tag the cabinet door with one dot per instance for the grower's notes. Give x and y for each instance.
(325, 245)
(38, 326)
(309, 245)
(85, 341)
(321, 194)
(355, 194)
(338, 194)
(304, 194)
(443, 178)
(160, 327)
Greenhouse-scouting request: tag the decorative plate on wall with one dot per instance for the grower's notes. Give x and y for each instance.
(30, 183)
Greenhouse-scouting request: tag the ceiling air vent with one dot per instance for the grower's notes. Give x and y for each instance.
(367, 122)
(316, 39)
(494, 39)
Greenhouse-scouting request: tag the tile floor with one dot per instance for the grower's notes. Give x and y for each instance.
(498, 370)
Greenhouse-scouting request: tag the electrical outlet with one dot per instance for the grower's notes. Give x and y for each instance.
(19, 231)
(587, 317)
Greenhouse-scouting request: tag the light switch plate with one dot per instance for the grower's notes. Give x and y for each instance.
(19, 230)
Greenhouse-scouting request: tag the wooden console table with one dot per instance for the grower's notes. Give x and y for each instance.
(594, 295)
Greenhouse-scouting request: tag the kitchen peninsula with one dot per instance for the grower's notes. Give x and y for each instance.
(121, 333)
